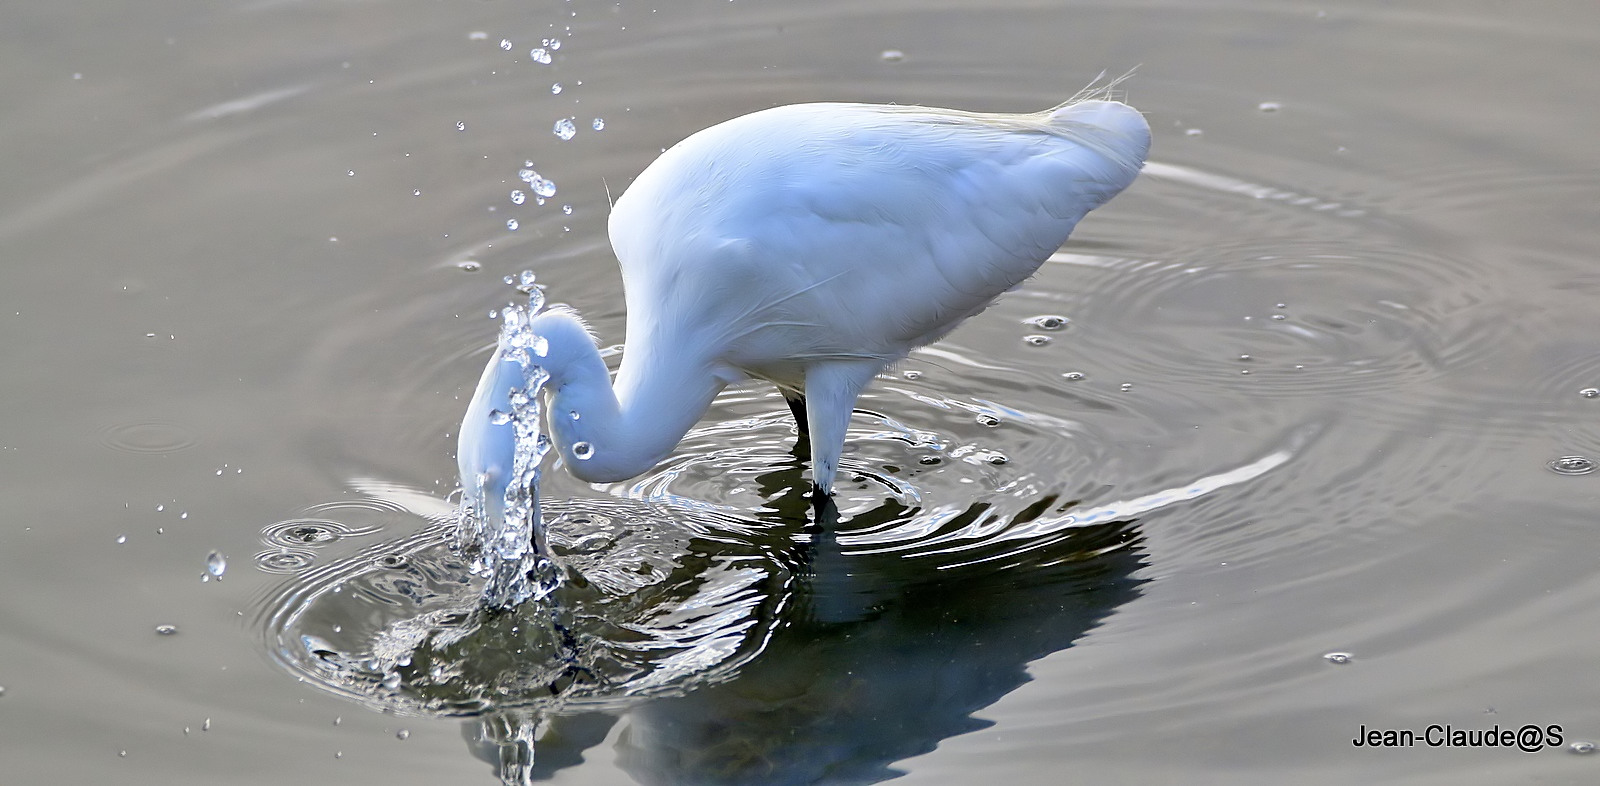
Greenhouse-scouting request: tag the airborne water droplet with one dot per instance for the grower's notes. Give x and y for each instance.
(505, 43)
(540, 56)
(517, 197)
(599, 124)
(555, 89)
(1269, 106)
(216, 563)
(564, 129)
(402, 734)
(582, 451)
(511, 224)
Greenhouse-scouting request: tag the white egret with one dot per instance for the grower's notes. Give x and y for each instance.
(812, 246)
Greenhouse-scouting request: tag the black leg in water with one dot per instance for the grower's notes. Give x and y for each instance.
(797, 406)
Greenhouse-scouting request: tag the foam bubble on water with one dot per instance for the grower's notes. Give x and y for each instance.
(1340, 658)
(1590, 392)
(1572, 465)
(565, 129)
(166, 630)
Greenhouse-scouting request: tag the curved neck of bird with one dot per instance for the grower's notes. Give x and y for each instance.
(607, 433)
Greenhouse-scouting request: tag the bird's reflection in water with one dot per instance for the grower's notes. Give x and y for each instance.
(873, 658)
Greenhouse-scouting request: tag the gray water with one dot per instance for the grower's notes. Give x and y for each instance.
(219, 339)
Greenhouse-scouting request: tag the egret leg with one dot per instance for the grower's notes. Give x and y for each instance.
(831, 391)
(797, 406)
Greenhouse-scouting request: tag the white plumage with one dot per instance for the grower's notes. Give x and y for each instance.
(809, 245)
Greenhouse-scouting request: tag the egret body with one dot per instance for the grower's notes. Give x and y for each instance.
(811, 246)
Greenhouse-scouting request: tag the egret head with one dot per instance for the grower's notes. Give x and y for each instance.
(487, 446)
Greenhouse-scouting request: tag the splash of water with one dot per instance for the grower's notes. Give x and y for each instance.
(501, 532)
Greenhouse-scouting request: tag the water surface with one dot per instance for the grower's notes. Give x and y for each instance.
(1305, 388)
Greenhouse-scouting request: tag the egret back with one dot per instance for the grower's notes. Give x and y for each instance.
(838, 231)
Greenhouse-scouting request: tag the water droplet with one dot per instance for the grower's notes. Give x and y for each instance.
(391, 680)
(402, 734)
(544, 188)
(338, 719)
(555, 89)
(1582, 747)
(517, 197)
(599, 124)
(1127, 386)
(505, 43)
(582, 451)
(1047, 322)
(574, 415)
(1279, 317)
(1340, 658)
(540, 56)
(1269, 106)
(1590, 392)
(216, 564)
(470, 265)
(166, 630)
(416, 192)
(123, 754)
(1194, 132)
(122, 538)
(1074, 376)
(511, 224)
(988, 420)
(891, 55)
(553, 43)
(526, 282)
(499, 418)
(160, 508)
(2, 690)
(1572, 465)
(566, 209)
(1245, 358)
(1035, 340)
(564, 129)
(461, 125)
(351, 173)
